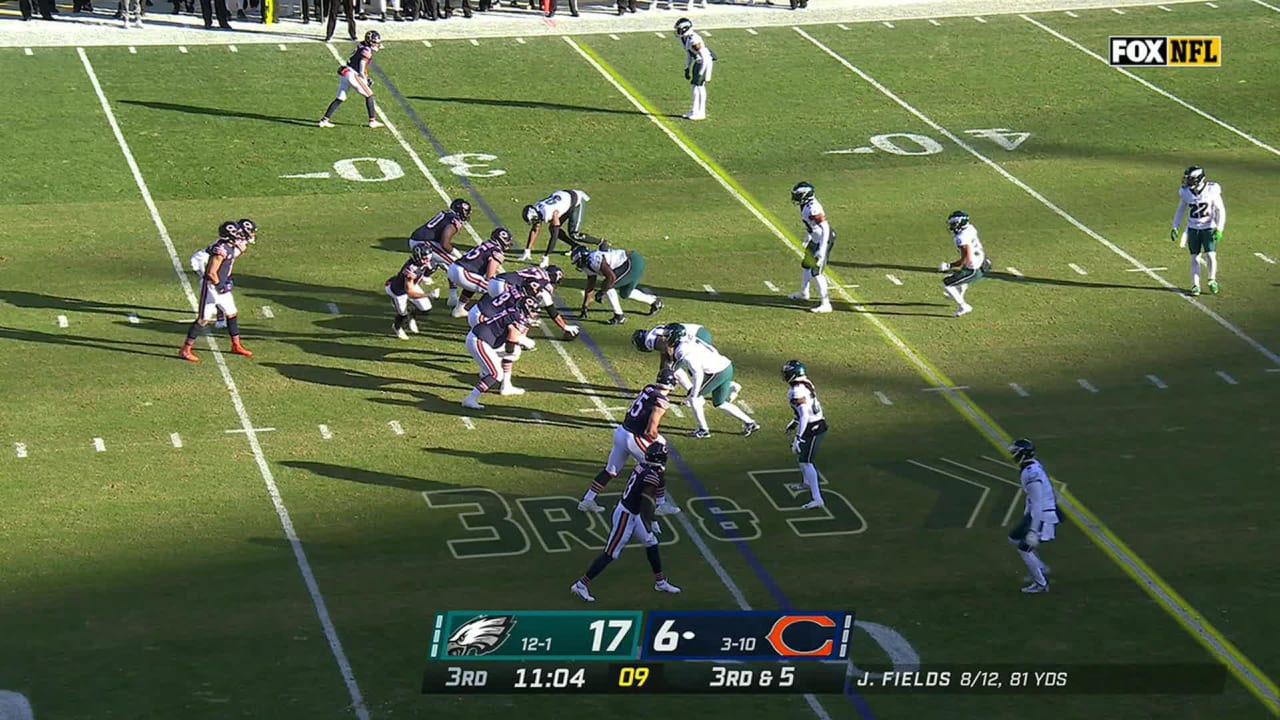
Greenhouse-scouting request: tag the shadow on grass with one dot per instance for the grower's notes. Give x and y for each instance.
(218, 112)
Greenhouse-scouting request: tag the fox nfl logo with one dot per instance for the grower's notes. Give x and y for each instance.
(1165, 51)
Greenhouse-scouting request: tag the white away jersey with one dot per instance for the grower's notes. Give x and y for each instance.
(560, 201)
(615, 258)
(696, 47)
(698, 356)
(1041, 504)
(968, 235)
(1206, 209)
(799, 395)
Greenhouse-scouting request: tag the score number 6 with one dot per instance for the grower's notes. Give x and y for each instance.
(666, 639)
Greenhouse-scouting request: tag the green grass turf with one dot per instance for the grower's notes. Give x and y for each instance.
(150, 581)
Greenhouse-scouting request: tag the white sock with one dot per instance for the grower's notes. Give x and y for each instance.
(474, 395)
(962, 289)
(612, 296)
(699, 413)
(702, 99)
(1195, 270)
(805, 275)
(683, 378)
(589, 496)
(821, 280)
(954, 294)
(810, 475)
(453, 295)
(641, 296)
(735, 411)
(1211, 265)
(1034, 565)
(693, 101)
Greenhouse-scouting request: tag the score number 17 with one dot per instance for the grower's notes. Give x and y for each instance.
(620, 628)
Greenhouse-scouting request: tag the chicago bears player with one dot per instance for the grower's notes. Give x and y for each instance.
(404, 289)
(355, 76)
(495, 346)
(472, 271)
(819, 238)
(810, 426)
(618, 272)
(437, 235)
(215, 289)
(1205, 222)
(539, 283)
(639, 430)
(200, 258)
(1040, 519)
(634, 516)
(564, 211)
(698, 62)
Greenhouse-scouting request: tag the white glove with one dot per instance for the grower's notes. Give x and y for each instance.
(527, 343)
(795, 446)
(943, 267)
(1032, 539)
(656, 527)
(791, 426)
(572, 330)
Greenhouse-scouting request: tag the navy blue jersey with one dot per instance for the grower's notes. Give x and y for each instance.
(226, 250)
(359, 60)
(411, 273)
(641, 411)
(493, 331)
(646, 479)
(522, 277)
(491, 307)
(433, 230)
(477, 258)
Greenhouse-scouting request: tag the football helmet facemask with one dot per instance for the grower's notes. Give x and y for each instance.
(957, 220)
(637, 339)
(420, 253)
(793, 370)
(530, 215)
(1193, 179)
(249, 228)
(578, 256)
(1023, 450)
(373, 39)
(801, 193)
(502, 236)
(656, 454)
(230, 230)
(675, 333)
(461, 208)
(683, 27)
(555, 274)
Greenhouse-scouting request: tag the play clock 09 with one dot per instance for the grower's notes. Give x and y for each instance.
(541, 678)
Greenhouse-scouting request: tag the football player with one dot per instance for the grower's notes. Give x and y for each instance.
(618, 272)
(495, 346)
(472, 271)
(563, 211)
(405, 290)
(663, 339)
(355, 75)
(712, 376)
(1205, 222)
(819, 239)
(809, 427)
(639, 430)
(437, 235)
(215, 289)
(199, 259)
(634, 516)
(1040, 519)
(972, 266)
(539, 283)
(698, 62)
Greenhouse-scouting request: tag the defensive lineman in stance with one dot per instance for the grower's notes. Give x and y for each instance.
(698, 62)
(639, 430)
(355, 76)
(405, 291)
(1205, 222)
(972, 266)
(634, 515)
(563, 211)
(819, 237)
(1041, 516)
(618, 272)
(712, 376)
(663, 338)
(810, 426)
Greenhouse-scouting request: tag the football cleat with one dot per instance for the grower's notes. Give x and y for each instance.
(616, 320)
(581, 591)
(511, 390)
(799, 295)
(1195, 291)
(667, 508)
(823, 308)
(525, 256)
(413, 326)
(963, 310)
(186, 354)
(544, 262)
(374, 124)
(459, 311)
(590, 506)
(1035, 588)
(1213, 287)
(801, 193)
(1027, 578)
(664, 586)
(400, 333)
(748, 428)
(700, 433)
(812, 504)
(325, 123)
(655, 306)
(239, 349)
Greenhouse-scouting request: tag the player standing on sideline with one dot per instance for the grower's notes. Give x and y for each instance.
(495, 346)
(215, 290)
(634, 515)
(563, 211)
(619, 272)
(472, 271)
(1041, 516)
(639, 430)
(712, 376)
(698, 62)
(437, 235)
(810, 426)
(819, 238)
(403, 287)
(1205, 223)
(355, 75)
(972, 266)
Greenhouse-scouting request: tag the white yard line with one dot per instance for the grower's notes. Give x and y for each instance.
(1266, 5)
(1264, 258)
(99, 445)
(299, 554)
(1152, 86)
(771, 286)
(1019, 390)
(893, 279)
(182, 49)
(1077, 269)
(1068, 13)
(1155, 380)
(884, 399)
(935, 23)
(1175, 292)
(1087, 385)
(982, 499)
(1226, 378)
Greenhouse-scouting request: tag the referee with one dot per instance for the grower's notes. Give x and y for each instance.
(331, 12)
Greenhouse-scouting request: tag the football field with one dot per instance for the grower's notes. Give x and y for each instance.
(270, 537)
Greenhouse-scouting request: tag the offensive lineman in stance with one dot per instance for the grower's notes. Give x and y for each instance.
(355, 75)
(215, 290)
(437, 236)
(1041, 516)
(639, 430)
(472, 271)
(634, 515)
(809, 425)
(495, 345)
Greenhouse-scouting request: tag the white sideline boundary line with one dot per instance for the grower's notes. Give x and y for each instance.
(1226, 324)
(1152, 86)
(286, 522)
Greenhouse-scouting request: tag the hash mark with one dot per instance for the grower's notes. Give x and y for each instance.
(894, 279)
(133, 319)
(466, 421)
(283, 47)
(395, 427)
(1264, 258)
(427, 43)
(27, 51)
(182, 49)
(1019, 390)
(474, 41)
(1071, 14)
(843, 27)
(1079, 270)
(615, 37)
(520, 40)
(979, 19)
(1087, 385)
(20, 449)
(752, 31)
(884, 399)
(934, 22)
(710, 290)
(233, 48)
(333, 308)
(62, 321)
(888, 24)
(99, 445)
(325, 432)
(1215, 7)
(1164, 8)
(1117, 11)
(1014, 271)
(267, 312)
(771, 286)
(176, 439)
(133, 50)
(1157, 382)
(664, 37)
(1226, 378)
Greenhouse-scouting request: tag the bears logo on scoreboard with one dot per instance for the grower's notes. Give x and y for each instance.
(481, 635)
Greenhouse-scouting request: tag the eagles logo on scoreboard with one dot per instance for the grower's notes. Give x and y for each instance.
(1164, 51)
(480, 635)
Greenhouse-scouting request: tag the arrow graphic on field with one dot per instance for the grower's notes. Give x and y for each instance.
(308, 176)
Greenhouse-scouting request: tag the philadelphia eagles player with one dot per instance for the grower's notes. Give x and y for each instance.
(712, 376)
(810, 427)
(1041, 516)
(697, 67)
(663, 339)
(972, 266)
(819, 237)
(1205, 222)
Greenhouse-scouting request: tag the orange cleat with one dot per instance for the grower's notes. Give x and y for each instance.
(186, 354)
(239, 349)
